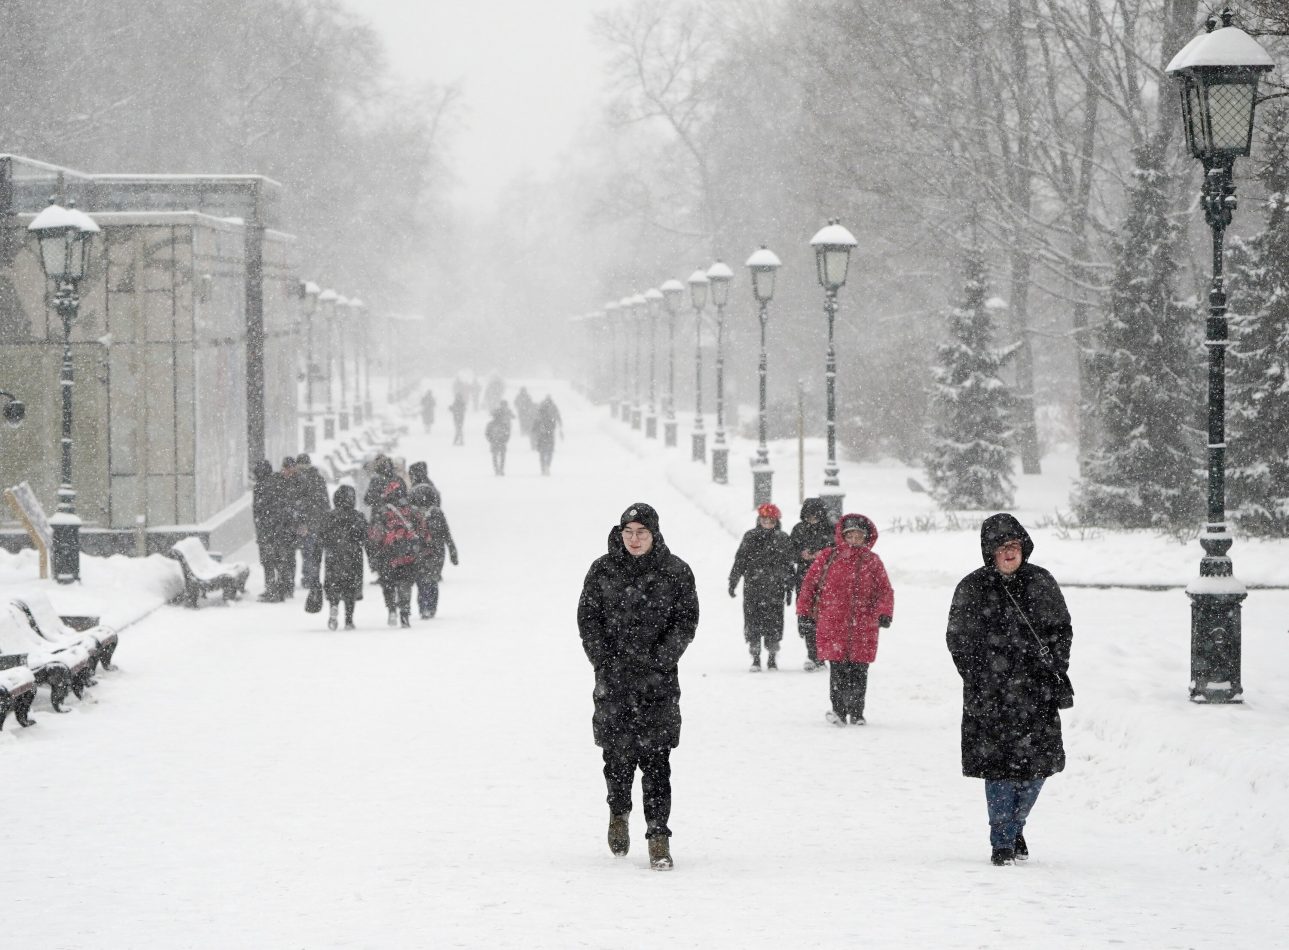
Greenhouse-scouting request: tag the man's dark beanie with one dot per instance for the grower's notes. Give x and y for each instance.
(641, 513)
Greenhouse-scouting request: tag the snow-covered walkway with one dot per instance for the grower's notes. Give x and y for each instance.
(252, 780)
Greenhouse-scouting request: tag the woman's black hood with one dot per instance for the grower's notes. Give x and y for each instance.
(999, 529)
(814, 506)
(345, 497)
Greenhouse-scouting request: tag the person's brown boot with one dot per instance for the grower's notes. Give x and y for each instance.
(660, 853)
(619, 835)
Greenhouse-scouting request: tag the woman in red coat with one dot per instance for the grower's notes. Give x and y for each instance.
(848, 595)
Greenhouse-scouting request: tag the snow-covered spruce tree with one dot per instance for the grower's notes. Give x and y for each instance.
(1144, 396)
(969, 460)
(1257, 472)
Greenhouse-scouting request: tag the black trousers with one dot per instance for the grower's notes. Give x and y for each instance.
(398, 596)
(655, 784)
(847, 687)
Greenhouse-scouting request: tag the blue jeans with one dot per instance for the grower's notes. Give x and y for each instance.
(1009, 805)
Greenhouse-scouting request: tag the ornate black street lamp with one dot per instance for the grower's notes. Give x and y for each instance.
(832, 245)
(762, 264)
(615, 378)
(65, 236)
(653, 301)
(1219, 72)
(698, 284)
(672, 291)
(719, 276)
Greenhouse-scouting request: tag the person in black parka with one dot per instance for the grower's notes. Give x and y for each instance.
(637, 614)
(273, 536)
(1009, 634)
(764, 561)
(545, 424)
(342, 539)
(314, 507)
(425, 499)
(497, 432)
(812, 534)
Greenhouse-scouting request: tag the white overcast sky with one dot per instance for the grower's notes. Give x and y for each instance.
(530, 69)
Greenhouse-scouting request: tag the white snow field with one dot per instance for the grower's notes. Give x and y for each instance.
(252, 780)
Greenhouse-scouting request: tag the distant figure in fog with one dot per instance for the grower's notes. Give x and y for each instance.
(425, 499)
(341, 539)
(497, 433)
(546, 422)
(457, 409)
(427, 409)
(524, 407)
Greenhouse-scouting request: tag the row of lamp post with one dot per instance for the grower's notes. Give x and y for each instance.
(625, 321)
(336, 332)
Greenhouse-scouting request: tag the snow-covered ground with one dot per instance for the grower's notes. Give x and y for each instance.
(250, 779)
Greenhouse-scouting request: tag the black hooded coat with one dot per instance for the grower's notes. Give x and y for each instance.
(810, 537)
(765, 562)
(1011, 726)
(343, 536)
(636, 617)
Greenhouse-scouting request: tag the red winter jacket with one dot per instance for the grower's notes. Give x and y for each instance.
(855, 593)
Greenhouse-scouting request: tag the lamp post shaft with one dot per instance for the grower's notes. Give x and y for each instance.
(637, 414)
(651, 422)
(1217, 596)
(699, 435)
(66, 524)
(832, 494)
(762, 453)
(720, 451)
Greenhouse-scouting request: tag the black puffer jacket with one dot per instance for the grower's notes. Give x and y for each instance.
(637, 616)
(1011, 728)
(343, 536)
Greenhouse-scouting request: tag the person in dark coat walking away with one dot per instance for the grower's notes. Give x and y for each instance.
(498, 434)
(293, 530)
(1009, 635)
(545, 424)
(764, 562)
(847, 593)
(314, 508)
(811, 535)
(384, 477)
(457, 409)
(427, 409)
(425, 499)
(524, 409)
(396, 540)
(341, 540)
(271, 535)
(637, 615)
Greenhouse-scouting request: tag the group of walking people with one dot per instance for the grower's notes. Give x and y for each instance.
(1009, 635)
(539, 422)
(404, 538)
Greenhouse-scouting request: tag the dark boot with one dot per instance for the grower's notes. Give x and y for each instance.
(660, 853)
(619, 834)
(1021, 849)
(1002, 857)
(756, 663)
(770, 663)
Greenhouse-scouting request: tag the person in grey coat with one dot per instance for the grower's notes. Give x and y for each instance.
(1010, 634)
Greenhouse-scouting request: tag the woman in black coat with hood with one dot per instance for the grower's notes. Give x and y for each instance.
(812, 534)
(1009, 634)
(343, 537)
(637, 614)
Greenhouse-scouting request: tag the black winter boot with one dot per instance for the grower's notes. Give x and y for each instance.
(1021, 849)
(660, 853)
(619, 834)
(1002, 857)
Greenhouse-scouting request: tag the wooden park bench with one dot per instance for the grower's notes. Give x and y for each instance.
(202, 573)
(100, 640)
(60, 669)
(17, 690)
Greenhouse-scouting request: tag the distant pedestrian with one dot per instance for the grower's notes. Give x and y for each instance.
(383, 476)
(497, 433)
(457, 409)
(848, 595)
(637, 614)
(313, 508)
(1009, 635)
(425, 499)
(764, 562)
(427, 409)
(546, 422)
(396, 541)
(524, 410)
(291, 499)
(342, 538)
(273, 534)
(492, 393)
(811, 535)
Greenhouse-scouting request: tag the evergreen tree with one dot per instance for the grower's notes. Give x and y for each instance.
(1142, 469)
(969, 461)
(1257, 474)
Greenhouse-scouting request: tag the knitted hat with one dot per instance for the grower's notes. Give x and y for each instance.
(642, 514)
(769, 511)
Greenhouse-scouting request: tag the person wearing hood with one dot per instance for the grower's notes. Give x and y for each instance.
(425, 499)
(637, 614)
(1009, 634)
(314, 506)
(274, 536)
(811, 535)
(764, 561)
(497, 432)
(848, 595)
(396, 543)
(341, 539)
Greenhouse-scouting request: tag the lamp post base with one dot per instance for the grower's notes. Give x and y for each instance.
(310, 437)
(669, 433)
(720, 464)
(1215, 642)
(762, 485)
(833, 498)
(651, 427)
(367, 413)
(329, 427)
(66, 557)
(344, 420)
(613, 408)
(357, 415)
(700, 446)
(636, 418)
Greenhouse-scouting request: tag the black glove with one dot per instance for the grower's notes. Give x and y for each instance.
(454, 560)
(787, 596)
(733, 590)
(805, 626)
(883, 621)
